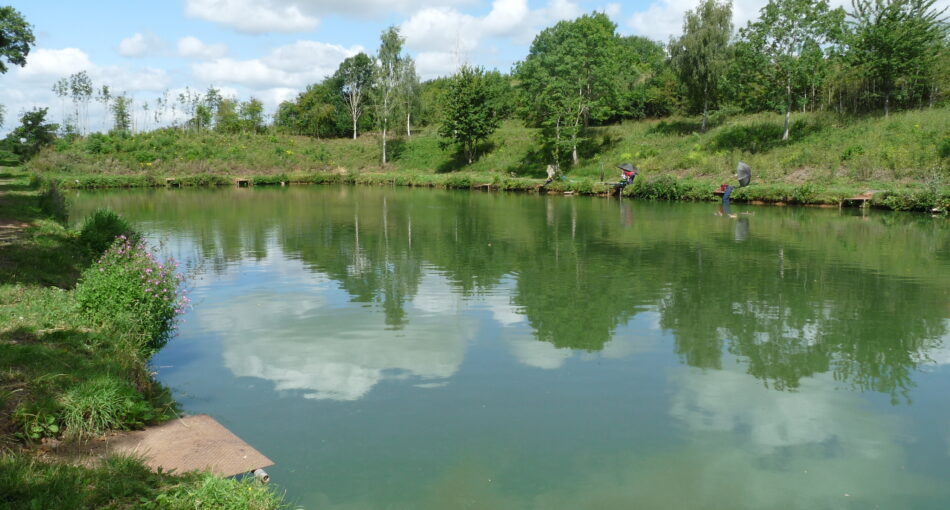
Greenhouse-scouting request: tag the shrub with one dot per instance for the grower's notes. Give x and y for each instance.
(753, 138)
(943, 149)
(53, 203)
(102, 228)
(132, 292)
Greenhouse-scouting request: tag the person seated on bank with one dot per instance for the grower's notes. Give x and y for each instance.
(628, 173)
(551, 173)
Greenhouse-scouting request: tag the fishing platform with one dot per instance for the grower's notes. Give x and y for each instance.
(192, 443)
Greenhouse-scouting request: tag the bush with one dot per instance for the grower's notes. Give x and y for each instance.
(132, 292)
(943, 149)
(102, 228)
(53, 203)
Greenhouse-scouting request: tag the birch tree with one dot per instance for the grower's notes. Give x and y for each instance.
(701, 55)
(785, 30)
(409, 90)
(356, 77)
(387, 73)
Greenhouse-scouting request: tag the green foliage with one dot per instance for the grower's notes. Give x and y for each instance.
(16, 38)
(570, 76)
(851, 152)
(790, 38)
(101, 404)
(896, 42)
(122, 114)
(36, 421)
(667, 187)
(209, 491)
(469, 109)
(101, 228)
(752, 138)
(386, 81)
(134, 294)
(943, 149)
(124, 482)
(53, 203)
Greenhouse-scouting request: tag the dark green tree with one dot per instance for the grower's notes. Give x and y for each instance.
(572, 74)
(31, 135)
(651, 88)
(16, 38)
(701, 54)
(895, 41)
(251, 115)
(470, 117)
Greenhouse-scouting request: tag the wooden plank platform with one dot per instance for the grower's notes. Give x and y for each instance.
(192, 443)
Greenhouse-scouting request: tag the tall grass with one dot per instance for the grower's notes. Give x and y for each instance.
(123, 482)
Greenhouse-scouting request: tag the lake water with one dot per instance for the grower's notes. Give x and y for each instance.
(395, 348)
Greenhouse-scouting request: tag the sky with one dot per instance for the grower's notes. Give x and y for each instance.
(272, 49)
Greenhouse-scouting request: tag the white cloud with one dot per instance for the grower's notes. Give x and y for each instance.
(817, 413)
(140, 45)
(303, 342)
(192, 47)
(445, 37)
(49, 63)
(432, 64)
(506, 17)
(664, 18)
(612, 10)
(260, 16)
(253, 16)
(292, 66)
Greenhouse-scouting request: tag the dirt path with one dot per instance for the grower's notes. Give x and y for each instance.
(11, 229)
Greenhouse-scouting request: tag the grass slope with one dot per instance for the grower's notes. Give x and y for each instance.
(827, 158)
(63, 378)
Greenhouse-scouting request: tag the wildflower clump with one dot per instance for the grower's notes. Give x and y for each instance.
(132, 292)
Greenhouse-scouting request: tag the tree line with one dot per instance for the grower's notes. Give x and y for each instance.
(797, 55)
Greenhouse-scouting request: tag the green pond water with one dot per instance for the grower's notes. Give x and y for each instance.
(419, 349)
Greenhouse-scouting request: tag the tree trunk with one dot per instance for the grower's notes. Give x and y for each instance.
(887, 104)
(408, 124)
(788, 107)
(788, 115)
(384, 145)
(702, 129)
(354, 127)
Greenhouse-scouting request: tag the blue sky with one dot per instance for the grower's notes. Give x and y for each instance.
(272, 49)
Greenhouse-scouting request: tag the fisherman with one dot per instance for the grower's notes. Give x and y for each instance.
(743, 175)
(628, 173)
(551, 173)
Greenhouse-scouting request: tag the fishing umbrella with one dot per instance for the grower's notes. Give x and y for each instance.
(744, 174)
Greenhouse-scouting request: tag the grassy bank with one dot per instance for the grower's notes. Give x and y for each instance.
(72, 369)
(905, 157)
